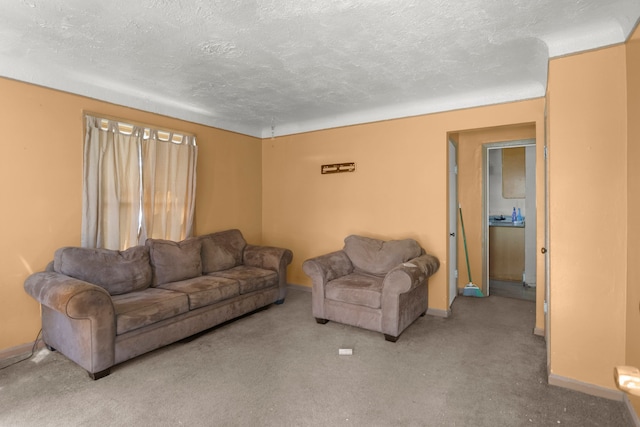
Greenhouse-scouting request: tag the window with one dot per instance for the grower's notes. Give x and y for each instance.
(139, 183)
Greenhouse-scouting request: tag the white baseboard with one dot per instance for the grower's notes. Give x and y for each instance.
(299, 287)
(438, 313)
(591, 389)
(632, 411)
(19, 350)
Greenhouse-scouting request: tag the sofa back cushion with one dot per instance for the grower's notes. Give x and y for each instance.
(378, 257)
(173, 261)
(118, 272)
(222, 250)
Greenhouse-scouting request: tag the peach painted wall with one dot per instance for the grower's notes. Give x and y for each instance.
(399, 190)
(632, 356)
(41, 185)
(588, 214)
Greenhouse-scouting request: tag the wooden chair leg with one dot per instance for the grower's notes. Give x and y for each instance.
(97, 375)
(390, 338)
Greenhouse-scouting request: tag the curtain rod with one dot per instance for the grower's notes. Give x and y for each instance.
(135, 123)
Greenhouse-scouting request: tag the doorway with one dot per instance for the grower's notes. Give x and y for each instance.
(510, 219)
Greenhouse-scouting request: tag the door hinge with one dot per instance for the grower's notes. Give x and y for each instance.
(456, 274)
(545, 152)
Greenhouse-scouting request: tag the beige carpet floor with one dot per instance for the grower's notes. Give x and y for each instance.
(503, 288)
(480, 367)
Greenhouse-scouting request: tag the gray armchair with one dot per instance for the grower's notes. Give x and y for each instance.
(372, 284)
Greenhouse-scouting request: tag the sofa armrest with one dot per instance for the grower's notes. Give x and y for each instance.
(270, 258)
(78, 318)
(267, 257)
(71, 297)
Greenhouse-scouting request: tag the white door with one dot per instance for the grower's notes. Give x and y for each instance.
(545, 251)
(453, 223)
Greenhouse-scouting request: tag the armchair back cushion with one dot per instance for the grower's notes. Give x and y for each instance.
(222, 250)
(118, 272)
(378, 257)
(174, 261)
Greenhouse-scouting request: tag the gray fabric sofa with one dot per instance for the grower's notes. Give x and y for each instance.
(102, 307)
(372, 284)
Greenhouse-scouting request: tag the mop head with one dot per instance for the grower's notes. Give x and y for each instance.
(472, 290)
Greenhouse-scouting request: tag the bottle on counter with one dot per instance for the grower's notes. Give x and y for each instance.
(514, 216)
(519, 216)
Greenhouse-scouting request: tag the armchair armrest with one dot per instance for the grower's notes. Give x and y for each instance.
(405, 294)
(408, 275)
(270, 258)
(325, 268)
(428, 263)
(321, 270)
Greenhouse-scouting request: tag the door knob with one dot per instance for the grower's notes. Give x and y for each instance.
(452, 234)
(543, 250)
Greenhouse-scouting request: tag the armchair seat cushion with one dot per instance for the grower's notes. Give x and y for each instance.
(137, 309)
(250, 278)
(205, 290)
(356, 288)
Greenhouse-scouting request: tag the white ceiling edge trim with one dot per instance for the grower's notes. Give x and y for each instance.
(132, 98)
(53, 77)
(497, 95)
(585, 38)
(122, 95)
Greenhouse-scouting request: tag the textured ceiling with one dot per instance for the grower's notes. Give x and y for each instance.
(285, 66)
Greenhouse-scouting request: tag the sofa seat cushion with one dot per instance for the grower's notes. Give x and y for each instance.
(138, 309)
(356, 288)
(250, 278)
(205, 290)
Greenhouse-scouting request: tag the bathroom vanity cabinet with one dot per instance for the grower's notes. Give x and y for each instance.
(506, 252)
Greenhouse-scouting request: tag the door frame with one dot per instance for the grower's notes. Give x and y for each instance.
(485, 199)
(453, 221)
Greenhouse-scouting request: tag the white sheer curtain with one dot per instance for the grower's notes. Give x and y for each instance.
(169, 187)
(136, 184)
(112, 186)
